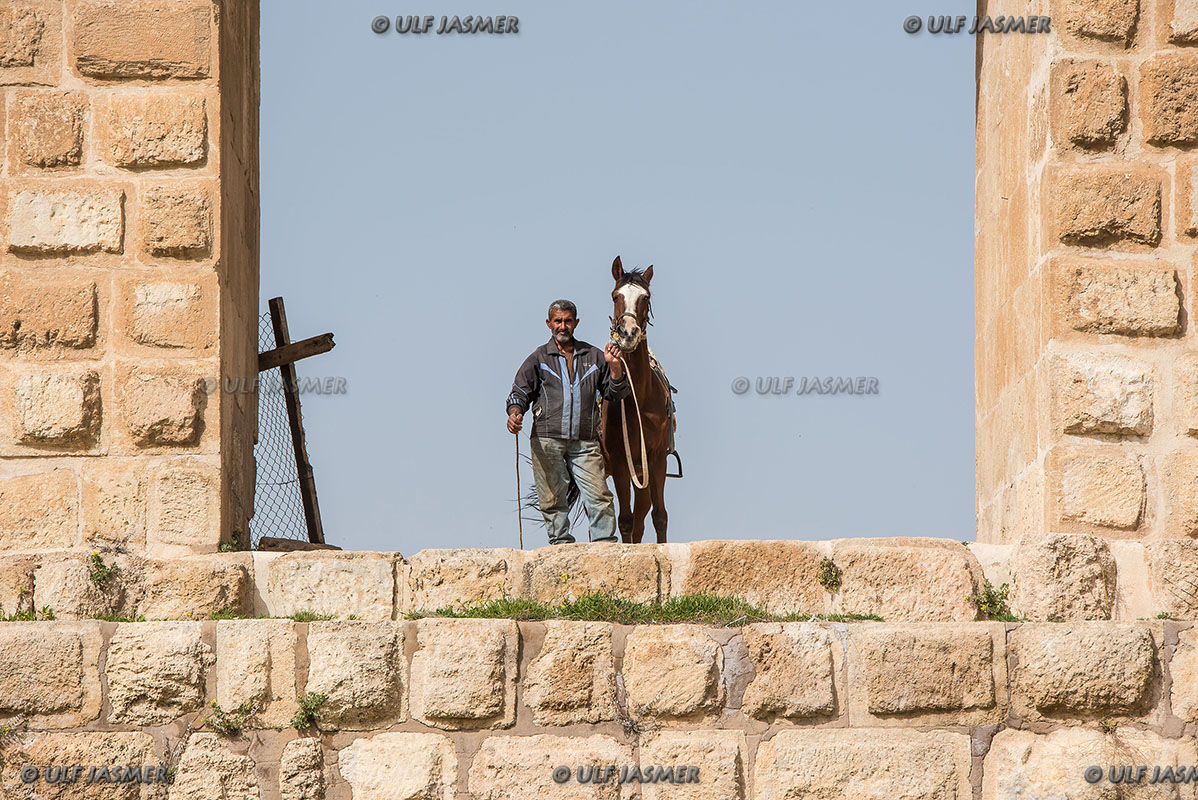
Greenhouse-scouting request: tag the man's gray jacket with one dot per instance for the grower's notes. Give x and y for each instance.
(561, 408)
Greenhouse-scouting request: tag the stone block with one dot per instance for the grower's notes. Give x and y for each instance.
(1185, 396)
(154, 130)
(1129, 300)
(1183, 28)
(58, 409)
(359, 666)
(1062, 578)
(31, 42)
(1102, 490)
(401, 766)
(1172, 582)
(39, 511)
(76, 748)
(1184, 669)
(441, 578)
(633, 572)
(573, 679)
(208, 770)
(673, 672)
(64, 584)
(1030, 765)
(47, 129)
(940, 673)
(50, 221)
(1169, 104)
(1088, 669)
(174, 314)
(255, 666)
(1180, 472)
(196, 586)
(464, 673)
(1094, 206)
(794, 671)
(182, 510)
(156, 673)
(915, 579)
(109, 39)
(162, 407)
(1102, 393)
(863, 762)
(1097, 21)
(38, 315)
(779, 576)
(51, 675)
(721, 758)
(1088, 102)
(114, 503)
(342, 584)
(176, 220)
(516, 767)
(16, 583)
(301, 769)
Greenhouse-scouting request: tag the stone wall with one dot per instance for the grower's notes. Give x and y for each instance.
(128, 272)
(1086, 370)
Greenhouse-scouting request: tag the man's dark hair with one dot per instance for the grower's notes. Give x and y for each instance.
(562, 305)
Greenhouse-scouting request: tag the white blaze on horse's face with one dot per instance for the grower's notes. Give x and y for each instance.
(628, 328)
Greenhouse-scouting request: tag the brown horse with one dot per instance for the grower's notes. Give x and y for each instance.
(630, 458)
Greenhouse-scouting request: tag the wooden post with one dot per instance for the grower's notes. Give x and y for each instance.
(307, 483)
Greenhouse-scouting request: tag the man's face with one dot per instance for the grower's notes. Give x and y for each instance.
(562, 323)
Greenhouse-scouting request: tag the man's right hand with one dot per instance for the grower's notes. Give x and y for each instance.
(515, 421)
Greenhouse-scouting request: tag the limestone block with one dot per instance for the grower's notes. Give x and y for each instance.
(1100, 393)
(159, 129)
(917, 579)
(1173, 576)
(1107, 491)
(779, 576)
(464, 674)
(1180, 471)
(40, 511)
(38, 315)
(86, 749)
(175, 314)
(1088, 103)
(721, 758)
(16, 583)
(863, 762)
(162, 406)
(342, 584)
(194, 587)
(559, 573)
(51, 673)
(182, 506)
(1185, 398)
(85, 219)
(516, 767)
(573, 679)
(47, 128)
(1029, 765)
(31, 42)
(401, 766)
(359, 666)
(177, 220)
(64, 584)
(1127, 300)
(1097, 21)
(1169, 92)
(794, 671)
(59, 409)
(1184, 669)
(208, 770)
(1095, 206)
(156, 672)
(673, 671)
(1183, 28)
(1081, 668)
(301, 769)
(255, 665)
(109, 39)
(114, 503)
(1063, 577)
(944, 672)
(439, 578)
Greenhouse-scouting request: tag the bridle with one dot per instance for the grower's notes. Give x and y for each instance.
(640, 338)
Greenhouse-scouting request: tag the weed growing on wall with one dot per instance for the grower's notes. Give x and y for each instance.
(992, 603)
(305, 717)
(229, 723)
(829, 575)
(101, 574)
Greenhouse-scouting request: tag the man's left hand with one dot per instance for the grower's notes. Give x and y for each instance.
(611, 354)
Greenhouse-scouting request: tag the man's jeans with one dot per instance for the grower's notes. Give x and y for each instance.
(553, 462)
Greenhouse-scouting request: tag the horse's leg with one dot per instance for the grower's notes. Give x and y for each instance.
(640, 510)
(619, 477)
(657, 492)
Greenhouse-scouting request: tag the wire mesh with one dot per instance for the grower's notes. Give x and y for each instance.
(278, 507)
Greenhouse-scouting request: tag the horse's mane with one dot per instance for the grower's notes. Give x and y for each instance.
(637, 277)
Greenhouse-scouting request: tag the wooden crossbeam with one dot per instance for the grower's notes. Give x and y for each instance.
(290, 353)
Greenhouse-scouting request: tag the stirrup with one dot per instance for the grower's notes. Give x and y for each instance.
(678, 458)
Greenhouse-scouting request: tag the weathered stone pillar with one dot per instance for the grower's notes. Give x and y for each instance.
(1087, 370)
(128, 272)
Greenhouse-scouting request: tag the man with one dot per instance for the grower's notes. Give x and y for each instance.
(561, 381)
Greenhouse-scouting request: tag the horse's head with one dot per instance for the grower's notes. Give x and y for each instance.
(632, 309)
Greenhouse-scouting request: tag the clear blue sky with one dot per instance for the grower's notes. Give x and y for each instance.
(801, 175)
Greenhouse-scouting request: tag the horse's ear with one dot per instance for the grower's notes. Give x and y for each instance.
(649, 274)
(617, 269)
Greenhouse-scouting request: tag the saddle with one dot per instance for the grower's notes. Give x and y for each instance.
(660, 372)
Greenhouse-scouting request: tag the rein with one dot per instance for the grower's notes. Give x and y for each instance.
(623, 409)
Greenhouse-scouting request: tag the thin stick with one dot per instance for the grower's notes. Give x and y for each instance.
(519, 516)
